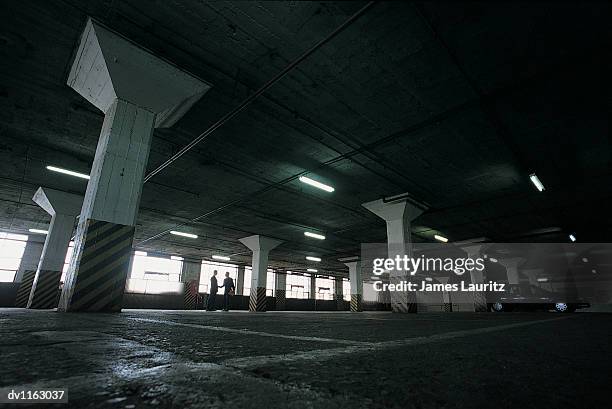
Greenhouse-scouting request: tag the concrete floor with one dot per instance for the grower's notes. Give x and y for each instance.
(166, 359)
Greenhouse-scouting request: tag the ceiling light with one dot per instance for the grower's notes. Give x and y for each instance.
(68, 172)
(317, 259)
(176, 258)
(352, 258)
(140, 253)
(542, 280)
(314, 235)
(536, 181)
(493, 260)
(224, 258)
(312, 270)
(440, 238)
(572, 237)
(180, 233)
(38, 231)
(316, 184)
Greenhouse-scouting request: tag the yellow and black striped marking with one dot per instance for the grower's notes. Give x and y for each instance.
(23, 293)
(257, 302)
(339, 302)
(480, 302)
(102, 268)
(45, 290)
(190, 296)
(356, 303)
(281, 298)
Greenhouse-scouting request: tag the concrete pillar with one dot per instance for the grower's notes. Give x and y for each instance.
(446, 298)
(27, 269)
(477, 277)
(312, 292)
(511, 265)
(240, 281)
(281, 289)
(190, 276)
(339, 293)
(31, 255)
(356, 281)
(532, 276)
(260, 246)
(398, 215)
(137, 92)
(63, 208)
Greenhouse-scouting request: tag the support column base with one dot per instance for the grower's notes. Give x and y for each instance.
(403, 302)
(480, 302)
(25, 288)
(190, 295)
(356, 303)
(45, 292)
(101, 268)
(340, 303)
(257, 302)
(281, 299)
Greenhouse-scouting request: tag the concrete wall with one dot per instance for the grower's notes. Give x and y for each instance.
(8, 291)
(175, 302)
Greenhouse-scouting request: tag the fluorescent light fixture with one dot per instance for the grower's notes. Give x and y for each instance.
(140, 253)
(314, 235)
(176, 258)
(536, 181)
(312, 270)
(224, 258)
(317, 259)
(428, 279)
(68, 172)
(352, 258)
(542, 280)
(440, 238)
(316, 184)
(493, 260)
(572, 237)
(180, 233)
(39, 231)
(470, 241)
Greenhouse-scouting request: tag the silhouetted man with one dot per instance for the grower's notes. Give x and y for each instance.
(229, 286)
(212, 293)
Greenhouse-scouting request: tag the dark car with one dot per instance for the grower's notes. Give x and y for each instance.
(532, 298)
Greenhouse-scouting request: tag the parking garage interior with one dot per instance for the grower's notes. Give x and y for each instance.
(151, 152)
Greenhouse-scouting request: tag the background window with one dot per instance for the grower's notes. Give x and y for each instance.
(248, 277)
(208, 267)
(248, 273)
(324, 288)
(270, 283)
(154, 275)
(11, 252)
(67, 261)
(297, 285)
(346, 289)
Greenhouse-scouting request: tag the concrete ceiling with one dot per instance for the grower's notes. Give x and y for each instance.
(455, 103)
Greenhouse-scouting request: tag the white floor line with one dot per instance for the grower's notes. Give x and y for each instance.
(250, 332)
(323, 354)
